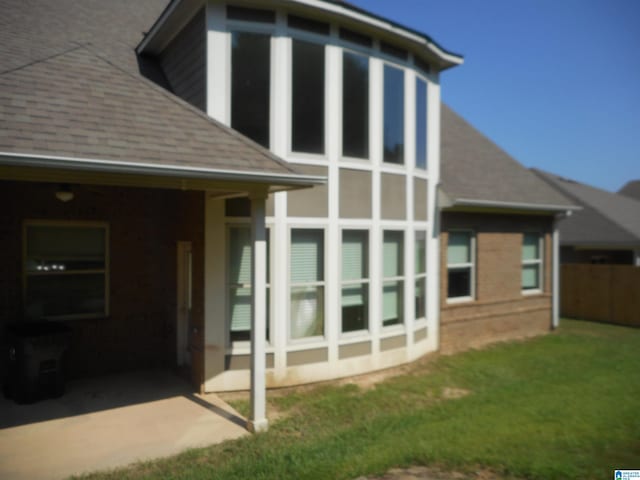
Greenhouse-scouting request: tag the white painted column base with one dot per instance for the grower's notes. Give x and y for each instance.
(257, 426)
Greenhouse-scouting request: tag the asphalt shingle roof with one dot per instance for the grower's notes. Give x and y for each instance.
(475, 168)
(70, 86)
(631, 189)
(606, 219)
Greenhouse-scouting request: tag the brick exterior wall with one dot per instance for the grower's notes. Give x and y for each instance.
(499, 311)
(145, 224)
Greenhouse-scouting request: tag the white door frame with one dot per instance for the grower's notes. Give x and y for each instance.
(184, 302)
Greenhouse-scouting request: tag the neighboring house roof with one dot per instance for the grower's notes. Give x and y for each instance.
(631, 189)
(475, 172)
(71, 89)
(606, 219)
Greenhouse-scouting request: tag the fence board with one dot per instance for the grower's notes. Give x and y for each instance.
(604, 293)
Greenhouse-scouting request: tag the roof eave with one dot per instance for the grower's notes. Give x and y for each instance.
(476, 203)
(183, 10)
(175, 171)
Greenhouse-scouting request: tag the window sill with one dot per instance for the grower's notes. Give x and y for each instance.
(456, 300)
(393, 330)
(533, 291)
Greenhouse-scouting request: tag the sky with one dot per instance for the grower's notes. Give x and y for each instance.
(555, 83)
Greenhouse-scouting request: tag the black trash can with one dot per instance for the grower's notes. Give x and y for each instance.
(34, 363)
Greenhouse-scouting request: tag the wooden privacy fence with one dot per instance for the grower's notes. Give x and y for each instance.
(605, 293)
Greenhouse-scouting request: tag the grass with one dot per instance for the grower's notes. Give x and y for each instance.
(562, 406)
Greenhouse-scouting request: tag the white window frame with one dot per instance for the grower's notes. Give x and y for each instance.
(418, 276)
(322, 283)
(241, 344)
(461, 266)
(363, 281)
(538, 261)
(398, 278)
(105, 271)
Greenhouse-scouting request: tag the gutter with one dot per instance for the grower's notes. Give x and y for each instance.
(178, 171)
(468, 202)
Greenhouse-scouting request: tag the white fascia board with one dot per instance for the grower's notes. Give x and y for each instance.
(378, 23)
(446, 57)
(468, 202)
(168, 11)
(113, 166)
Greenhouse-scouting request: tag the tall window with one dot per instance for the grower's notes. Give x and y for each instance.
(307, 116)
(355, 105)
(531, 261)
(239, 283)
(307, 283)
(355, 280)
(421, 123)
(393, 273)
(250, 85)
(393, 115)
(460, 259)
(421, 274)
(66, 270)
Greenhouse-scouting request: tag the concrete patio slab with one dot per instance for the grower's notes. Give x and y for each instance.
(108, 422)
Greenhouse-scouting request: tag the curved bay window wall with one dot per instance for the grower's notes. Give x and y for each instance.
(253, 82)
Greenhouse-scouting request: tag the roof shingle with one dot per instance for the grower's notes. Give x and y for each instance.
(70, 86)
(475, 168)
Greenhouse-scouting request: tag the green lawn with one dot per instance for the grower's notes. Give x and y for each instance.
(562, 406)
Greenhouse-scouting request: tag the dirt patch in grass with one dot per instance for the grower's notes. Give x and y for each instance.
(432, 473)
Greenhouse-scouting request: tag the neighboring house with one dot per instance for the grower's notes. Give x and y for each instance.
(189, 154)
(631, 189)
(605, 230)
(498, 242)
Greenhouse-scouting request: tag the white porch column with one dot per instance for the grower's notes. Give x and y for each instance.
(555, 273)
(258, 416)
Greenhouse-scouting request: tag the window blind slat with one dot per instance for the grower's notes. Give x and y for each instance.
(391, 300)
(354, 255)
(240, 255)
(459, 247)
(530, 276)
(530, 246)
(392, 253)
(307, 256)
(421, 252)
(353, 295)
(240, 309)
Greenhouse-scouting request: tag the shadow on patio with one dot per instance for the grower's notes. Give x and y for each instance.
(109, 422)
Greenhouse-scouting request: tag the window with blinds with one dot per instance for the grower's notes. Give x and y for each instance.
(532, 261)
(355, 280)
(239, 283)
(306, 267)
(393, 278)
(66, 270)
(421, 274)
(460, 265)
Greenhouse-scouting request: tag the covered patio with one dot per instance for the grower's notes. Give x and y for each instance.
(107, 422)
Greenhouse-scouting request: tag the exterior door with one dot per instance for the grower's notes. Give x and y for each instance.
(184, 303)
